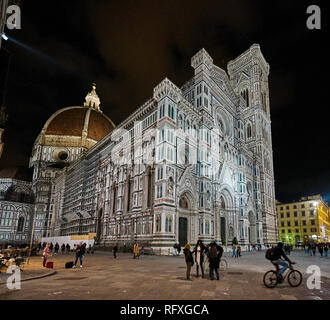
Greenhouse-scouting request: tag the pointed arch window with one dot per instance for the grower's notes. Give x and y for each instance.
(20, 226)
(158, 223)
(249, 131)
(168, 224)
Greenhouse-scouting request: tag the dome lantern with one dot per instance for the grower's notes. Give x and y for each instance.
(92, 100)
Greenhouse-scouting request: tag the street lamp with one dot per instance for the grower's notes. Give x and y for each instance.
(4, 37)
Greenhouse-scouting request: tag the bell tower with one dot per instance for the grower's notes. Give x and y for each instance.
(249, 77)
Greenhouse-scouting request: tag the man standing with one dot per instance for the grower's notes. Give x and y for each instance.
(179, 248)
(214, 260)
(115, 250)
(175, 249)
(80, 251)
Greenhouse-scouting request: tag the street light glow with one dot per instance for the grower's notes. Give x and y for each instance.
(4, 37)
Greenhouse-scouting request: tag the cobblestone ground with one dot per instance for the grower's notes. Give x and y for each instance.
(161, 277)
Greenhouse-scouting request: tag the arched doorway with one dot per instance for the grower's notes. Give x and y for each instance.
(226, 225)
(183, 221)
(252, 228)
(223, 234)
(187, 221)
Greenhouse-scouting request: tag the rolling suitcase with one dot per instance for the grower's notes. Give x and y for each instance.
(50, 264)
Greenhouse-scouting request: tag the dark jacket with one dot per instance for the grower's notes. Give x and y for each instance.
(80, 251)
(115, 249)
(278, 253)
(214, 261)
(220, 252)
(188, 256)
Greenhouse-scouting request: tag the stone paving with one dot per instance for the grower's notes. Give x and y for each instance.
(161, 277)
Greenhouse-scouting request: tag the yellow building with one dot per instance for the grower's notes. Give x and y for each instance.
(304, 220)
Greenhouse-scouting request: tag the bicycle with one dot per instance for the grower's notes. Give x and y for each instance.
(271, 277)
(223, 265)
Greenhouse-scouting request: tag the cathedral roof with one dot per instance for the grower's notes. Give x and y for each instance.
(72, 121)
(86, 121)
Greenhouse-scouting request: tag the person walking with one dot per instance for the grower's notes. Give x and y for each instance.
(68, 248)
(175, 250)
(80, 251)
(238, 252)
(214, 260)
(199, 252)
(189, 260)
(234, 251)
(63, 248)
(46, 254)
(326, 250)
(56, 248)
(115, 250)
(320, 247)
(179, 248)
(314, 249)
(136, 250)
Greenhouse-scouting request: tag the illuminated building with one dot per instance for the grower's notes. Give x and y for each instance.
(191, 163)
(304, 220)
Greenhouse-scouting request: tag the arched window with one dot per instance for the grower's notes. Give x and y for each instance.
(249, 131)
(114, 199)
(158, 223)
(194, 131)
(20, 225)
(180, 122)
(188, 126)
(128, 193)
(168, 224)
(222, 203)
(245, 95)
(149, 190)
(207, 227)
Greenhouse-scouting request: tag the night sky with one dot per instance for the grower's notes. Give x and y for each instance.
(128, 47)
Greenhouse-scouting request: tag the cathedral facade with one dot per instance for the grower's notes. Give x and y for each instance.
(191, 163)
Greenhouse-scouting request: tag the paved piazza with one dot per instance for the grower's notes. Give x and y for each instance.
(162, 277)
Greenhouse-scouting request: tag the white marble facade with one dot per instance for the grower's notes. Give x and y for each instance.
(16, 211)
(192, 163)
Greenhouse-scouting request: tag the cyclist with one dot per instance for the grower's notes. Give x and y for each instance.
(277, 254)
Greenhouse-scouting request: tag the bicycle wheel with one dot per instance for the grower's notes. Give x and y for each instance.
(270, 279)
(295, 278)
(223, 265)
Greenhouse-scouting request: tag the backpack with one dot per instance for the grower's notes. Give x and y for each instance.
(213, 252)
(69, 265)
(270, 254)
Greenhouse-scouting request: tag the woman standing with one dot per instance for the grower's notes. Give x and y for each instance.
(115, 250)
(199, 252)
(45, 255)
(136, 250)
(189, 260)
